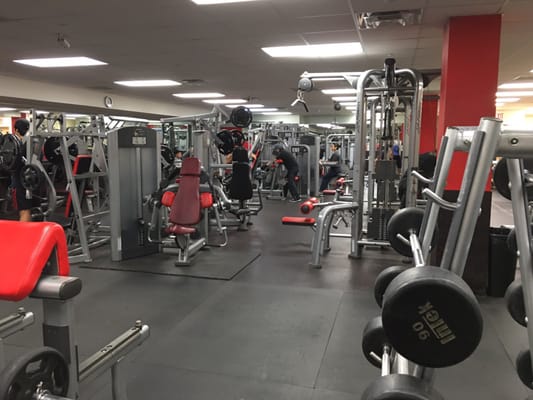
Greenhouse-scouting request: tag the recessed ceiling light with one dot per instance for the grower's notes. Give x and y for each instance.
(263, 109)
(344, 98)
(316, 50)
(508, 99)
(339, 91)
(198, 95)
(277, 113)
(225, 101)
(515, 94)
(7, 109)
(348, 103)
(133, 119)
(61, 62)
(205, 2)
(73, 116)
(245, 105)
(148, 83)
(517, 85)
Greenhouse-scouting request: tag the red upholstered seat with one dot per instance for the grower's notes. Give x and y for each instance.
(168, 198)
(25, 250)
(300, 221)
(329, 191)
(185, 209)
(180, 230)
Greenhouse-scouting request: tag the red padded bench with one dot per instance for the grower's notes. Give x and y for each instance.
(299, 221)
(330, 192)
(29, 251)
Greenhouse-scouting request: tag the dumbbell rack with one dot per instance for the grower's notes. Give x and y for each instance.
(54, 125)
(483, 144)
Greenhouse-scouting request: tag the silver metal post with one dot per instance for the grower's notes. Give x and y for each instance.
(520, 206)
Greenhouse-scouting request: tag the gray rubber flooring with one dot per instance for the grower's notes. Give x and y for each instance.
(278, 330)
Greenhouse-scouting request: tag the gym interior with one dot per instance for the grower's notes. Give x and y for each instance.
(266, 199)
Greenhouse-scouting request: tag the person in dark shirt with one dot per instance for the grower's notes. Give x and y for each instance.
(334, 170)
(23, 204)
(290, 163)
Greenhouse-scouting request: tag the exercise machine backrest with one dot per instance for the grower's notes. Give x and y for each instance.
(185, 209)
(240, 187)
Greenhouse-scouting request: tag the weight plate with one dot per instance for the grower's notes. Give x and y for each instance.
(20, 378)
(52, 150)
(383, 280)
(225, 142)
(374, 339)
(500, 177)
(404, 222)
(514, 299)
(241, 117)
(431, 317)
(10, 152)
(167, 155)
(31, 177)
(400, 387)
(523, 368)
(511, 240)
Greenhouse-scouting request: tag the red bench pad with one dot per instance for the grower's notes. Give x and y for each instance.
(329, 191)
(300, 221)
(26, 247)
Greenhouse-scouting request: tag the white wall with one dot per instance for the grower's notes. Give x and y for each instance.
(41, 91)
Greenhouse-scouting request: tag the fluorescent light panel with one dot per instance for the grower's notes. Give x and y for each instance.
(329, 75)
(225, 101)
(315, 50)
(206, 2)
(7, 109)
(339, 91)
(211, 95)
(351, 108)
(277, 113)
(148, 83)
(348, 103)
(344, 98)
(263, 109)
(523, 93)
(508, 99)
(60, 62)
(517, 85)
(132, 119)
(245, 105)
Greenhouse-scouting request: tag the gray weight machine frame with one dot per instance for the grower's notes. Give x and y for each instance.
(58, 318)
(12, 324)
(411, 135)
(321, 236)
(96, 130)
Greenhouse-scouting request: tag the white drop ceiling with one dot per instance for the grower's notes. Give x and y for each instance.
(221, 44)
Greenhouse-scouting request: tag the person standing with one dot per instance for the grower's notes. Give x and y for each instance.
(23, 205)
(334, 170)
(291, 165)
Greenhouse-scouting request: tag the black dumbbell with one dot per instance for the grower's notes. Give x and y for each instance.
(375, 344)
(402, 225)
(400, 387)
(383, 280)
(514, 299)
(431, 317)
(523, 368)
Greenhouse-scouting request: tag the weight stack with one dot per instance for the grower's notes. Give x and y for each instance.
(377, 223)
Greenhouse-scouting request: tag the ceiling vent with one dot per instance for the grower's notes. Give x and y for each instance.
(373, 20)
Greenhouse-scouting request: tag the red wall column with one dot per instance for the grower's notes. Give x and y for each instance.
(428, 125)
(469, 82)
